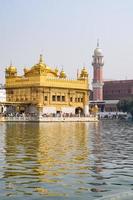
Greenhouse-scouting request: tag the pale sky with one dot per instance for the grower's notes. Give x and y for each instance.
(66, 32)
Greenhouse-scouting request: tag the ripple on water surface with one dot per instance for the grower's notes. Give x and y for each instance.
(65, 160)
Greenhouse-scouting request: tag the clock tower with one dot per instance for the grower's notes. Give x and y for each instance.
(97, 83)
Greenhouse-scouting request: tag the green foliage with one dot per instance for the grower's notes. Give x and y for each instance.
(126, 106)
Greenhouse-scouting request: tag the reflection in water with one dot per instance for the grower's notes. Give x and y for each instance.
(112, 160)
(97, 149)
(65, 160)
(21, 145)
(2, 151)
(40, 155)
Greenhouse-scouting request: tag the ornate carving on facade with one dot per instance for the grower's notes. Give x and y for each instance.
(43, 89)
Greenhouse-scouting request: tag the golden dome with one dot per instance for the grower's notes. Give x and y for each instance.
(47, 67)
(41, 65)
(84, 70)
(84, 73)
(62, 74)
(11, 69)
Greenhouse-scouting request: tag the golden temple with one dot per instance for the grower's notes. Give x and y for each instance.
(43, 90)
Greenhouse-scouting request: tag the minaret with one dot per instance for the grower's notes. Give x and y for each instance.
(97, 83)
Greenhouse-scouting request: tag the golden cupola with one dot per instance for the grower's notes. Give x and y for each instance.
(56, 71)
(40, 69)
(84, 73)
(26, 70)
(11, 71)
(62, 74)
(41, 66)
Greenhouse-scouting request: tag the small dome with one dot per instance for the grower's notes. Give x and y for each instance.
(11, 69)
(41, 65)
(84, 73)
(26, 70)
(84, 70)
(98, 52)
(47, 67)
(62, 74)
(56, 70)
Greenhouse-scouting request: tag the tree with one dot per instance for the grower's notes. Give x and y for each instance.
(126, 106)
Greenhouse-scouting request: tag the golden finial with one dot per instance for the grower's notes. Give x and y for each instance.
(62, 74)
(77, 73)
(41, 59)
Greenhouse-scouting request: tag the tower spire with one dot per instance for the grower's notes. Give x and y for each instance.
(77, 73)
(98, 42)
(10, 62)
(41, 58)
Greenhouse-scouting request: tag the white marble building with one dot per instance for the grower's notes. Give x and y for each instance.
(2, 93)
(2, 98)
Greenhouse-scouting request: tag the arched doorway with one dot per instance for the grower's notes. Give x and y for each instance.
(79, 111)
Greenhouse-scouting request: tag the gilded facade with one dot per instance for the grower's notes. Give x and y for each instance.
(44, 90)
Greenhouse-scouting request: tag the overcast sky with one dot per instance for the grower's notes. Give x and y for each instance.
(66, 32)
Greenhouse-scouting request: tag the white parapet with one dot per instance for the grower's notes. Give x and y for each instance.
(48, 119)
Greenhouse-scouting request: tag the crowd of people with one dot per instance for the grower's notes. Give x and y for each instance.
(43, 115)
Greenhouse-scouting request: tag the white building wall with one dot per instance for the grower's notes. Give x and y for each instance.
(49, 110)
(2, 98)
(2, 95)
(68, 110)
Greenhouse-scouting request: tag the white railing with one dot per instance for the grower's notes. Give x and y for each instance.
(48, 119)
